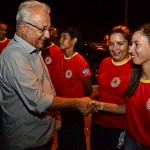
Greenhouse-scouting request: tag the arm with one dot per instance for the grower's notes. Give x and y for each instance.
(87, 86)
(109, 107)
(82, 104)
(95, 93)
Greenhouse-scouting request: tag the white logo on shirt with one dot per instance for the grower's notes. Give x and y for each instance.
(115, 82)
(48, 60)
(68, 74)
(148, 104)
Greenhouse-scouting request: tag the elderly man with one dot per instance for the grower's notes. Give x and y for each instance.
(29, 101)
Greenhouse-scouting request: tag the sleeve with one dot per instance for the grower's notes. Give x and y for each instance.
(23, 79)
(83, 68)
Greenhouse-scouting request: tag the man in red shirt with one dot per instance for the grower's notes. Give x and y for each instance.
(73, 80)
(3, 39)
(50, 56)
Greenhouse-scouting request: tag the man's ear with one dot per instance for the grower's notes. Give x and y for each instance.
(74, 40)
(23, 27)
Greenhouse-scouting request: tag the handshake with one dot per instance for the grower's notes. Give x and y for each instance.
(88, 106)
(91, 106)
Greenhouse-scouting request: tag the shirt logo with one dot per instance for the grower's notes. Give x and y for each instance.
(115, 82)
(86, 71)
(48, 60)
(68, 74)
(148, 104)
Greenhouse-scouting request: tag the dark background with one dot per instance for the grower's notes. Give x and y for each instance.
(94, 18)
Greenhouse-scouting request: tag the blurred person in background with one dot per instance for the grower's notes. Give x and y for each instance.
(113, 78)
(105, 42)
(3, 32)
(50, 55)
(73, 81)
(29, 100)
(106, 39)
(55, 36)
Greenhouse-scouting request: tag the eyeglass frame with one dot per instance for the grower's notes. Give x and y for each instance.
(43, 30)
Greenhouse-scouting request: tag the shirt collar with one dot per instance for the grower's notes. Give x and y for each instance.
(28, 47)
(36, 51)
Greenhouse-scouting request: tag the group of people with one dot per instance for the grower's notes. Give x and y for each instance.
(136, 107)
(43, 90)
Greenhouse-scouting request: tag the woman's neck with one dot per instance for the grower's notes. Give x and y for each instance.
(124, 61)
(146, 72)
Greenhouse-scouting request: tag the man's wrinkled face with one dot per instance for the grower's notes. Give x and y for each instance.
(37, 30)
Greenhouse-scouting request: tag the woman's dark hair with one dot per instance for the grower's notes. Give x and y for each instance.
(74, 33)
(145, 29)
(136, 73)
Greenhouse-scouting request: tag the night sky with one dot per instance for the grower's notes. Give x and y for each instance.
(94, 18)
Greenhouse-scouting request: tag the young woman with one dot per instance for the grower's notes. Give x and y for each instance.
(73, 81)
(113, 78)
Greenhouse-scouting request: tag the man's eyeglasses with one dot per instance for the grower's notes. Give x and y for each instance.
(42, 30)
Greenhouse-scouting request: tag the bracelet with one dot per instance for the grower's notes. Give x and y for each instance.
(101, 106)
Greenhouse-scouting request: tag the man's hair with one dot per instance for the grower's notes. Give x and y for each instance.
(3, 22)
(25, 10)
(74, 33)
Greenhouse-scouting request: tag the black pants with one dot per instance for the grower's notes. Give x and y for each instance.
(102, 138)
(47, 146)
(71, 136)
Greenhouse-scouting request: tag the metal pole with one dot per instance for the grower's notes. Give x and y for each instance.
(126, 12)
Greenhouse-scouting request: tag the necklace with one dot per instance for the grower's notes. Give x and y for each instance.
(65, 64)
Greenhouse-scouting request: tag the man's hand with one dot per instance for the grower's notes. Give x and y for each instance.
(96, 104)
(86, 106)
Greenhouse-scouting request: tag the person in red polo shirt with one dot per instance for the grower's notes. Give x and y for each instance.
(3, 32)
(113, 78)
(50, 56)
(73, 81)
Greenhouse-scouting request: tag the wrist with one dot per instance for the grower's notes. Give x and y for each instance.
(101, 106)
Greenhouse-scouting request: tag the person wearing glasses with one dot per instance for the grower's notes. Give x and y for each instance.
(29, 103)
(3, 32)
(113, 77)
(50, 55)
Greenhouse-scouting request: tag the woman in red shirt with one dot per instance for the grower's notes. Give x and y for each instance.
(113, 78)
